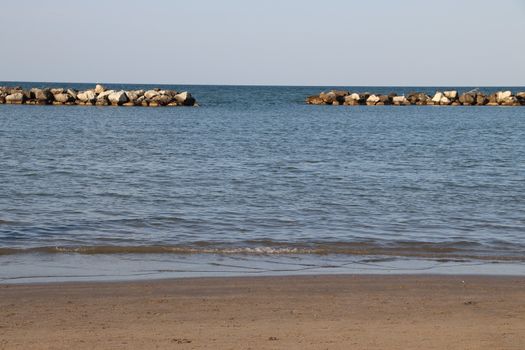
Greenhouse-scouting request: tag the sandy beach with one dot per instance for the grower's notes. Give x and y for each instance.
(313, 312)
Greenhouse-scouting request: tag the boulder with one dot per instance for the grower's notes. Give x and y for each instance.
(314, 100)
(444, 101)
(328, 98)
(501, 96)
(372, 100)
(57, 91)
(16, 98)
(481, 99)
(102, 101)
(520, 96)
(73, 93)
(451, 95)
(133, 95)
(510, 101)
(118, 98)
(437, 97)
(42, 95)
(105, 94)
(150, 94)
(140, 100)
(400, 100)
(162, 100)
(87, 96)
(99, 89)
(467, 99)
(63, 98)
(185, 99)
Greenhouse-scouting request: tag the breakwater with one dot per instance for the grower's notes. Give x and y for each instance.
(440, 98)
(98, 96)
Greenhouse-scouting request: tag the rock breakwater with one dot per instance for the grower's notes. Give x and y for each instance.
(440, 98)
(99, 96)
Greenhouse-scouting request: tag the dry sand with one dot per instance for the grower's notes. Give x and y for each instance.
(317, 312)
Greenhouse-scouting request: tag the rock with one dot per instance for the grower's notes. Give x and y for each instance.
(102, 101)
(99, 89)
(384, 100)
(510, 101)
(73, 93)
(87, 96)
(150, 94)
(481, 99)
(140, 100)
(437, 97)
(105, 94)
(185, 99)
(133, 95)
(400, 100)
(444, 101)
(328, 98)
(451, 95)
(44, 96)
(58, 91)
(372, 100)
(467, 99)
(162, 100)
(16, 98)
(314, 100)
(520, 96)
(501, 96)
(63, 98)
(118, 98)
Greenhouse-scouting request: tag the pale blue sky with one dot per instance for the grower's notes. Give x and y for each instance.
(277, 42)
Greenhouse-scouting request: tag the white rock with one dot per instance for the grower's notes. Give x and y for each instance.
(17, 97)
(451, 94)
(437, 97)
(501, 96)
(87, 96)
(399, 99)
(444, 100)
(373, 99)
(104, 94)
(118, 97)
(150, 94)
(99, 89)
(355, 97)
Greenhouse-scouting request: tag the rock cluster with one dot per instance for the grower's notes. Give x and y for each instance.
(99, 96)
(445, 98)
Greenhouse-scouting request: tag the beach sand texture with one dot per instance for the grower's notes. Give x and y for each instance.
(311, 312)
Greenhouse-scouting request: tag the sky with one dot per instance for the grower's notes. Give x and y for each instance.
(271, 42)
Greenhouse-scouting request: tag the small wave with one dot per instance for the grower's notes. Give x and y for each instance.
(438, 251)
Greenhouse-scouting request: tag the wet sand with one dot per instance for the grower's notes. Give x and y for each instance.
(313, 312)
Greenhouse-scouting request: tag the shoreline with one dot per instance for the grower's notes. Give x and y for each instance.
(42, 268)
(300, 312)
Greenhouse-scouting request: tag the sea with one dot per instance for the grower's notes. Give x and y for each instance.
(256, 182)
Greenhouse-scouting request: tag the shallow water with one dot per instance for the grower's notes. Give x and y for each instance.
(255, 171)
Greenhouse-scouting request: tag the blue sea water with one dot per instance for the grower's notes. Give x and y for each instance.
(255, 174)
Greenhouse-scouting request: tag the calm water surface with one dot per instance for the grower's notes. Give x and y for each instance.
(254, 171)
